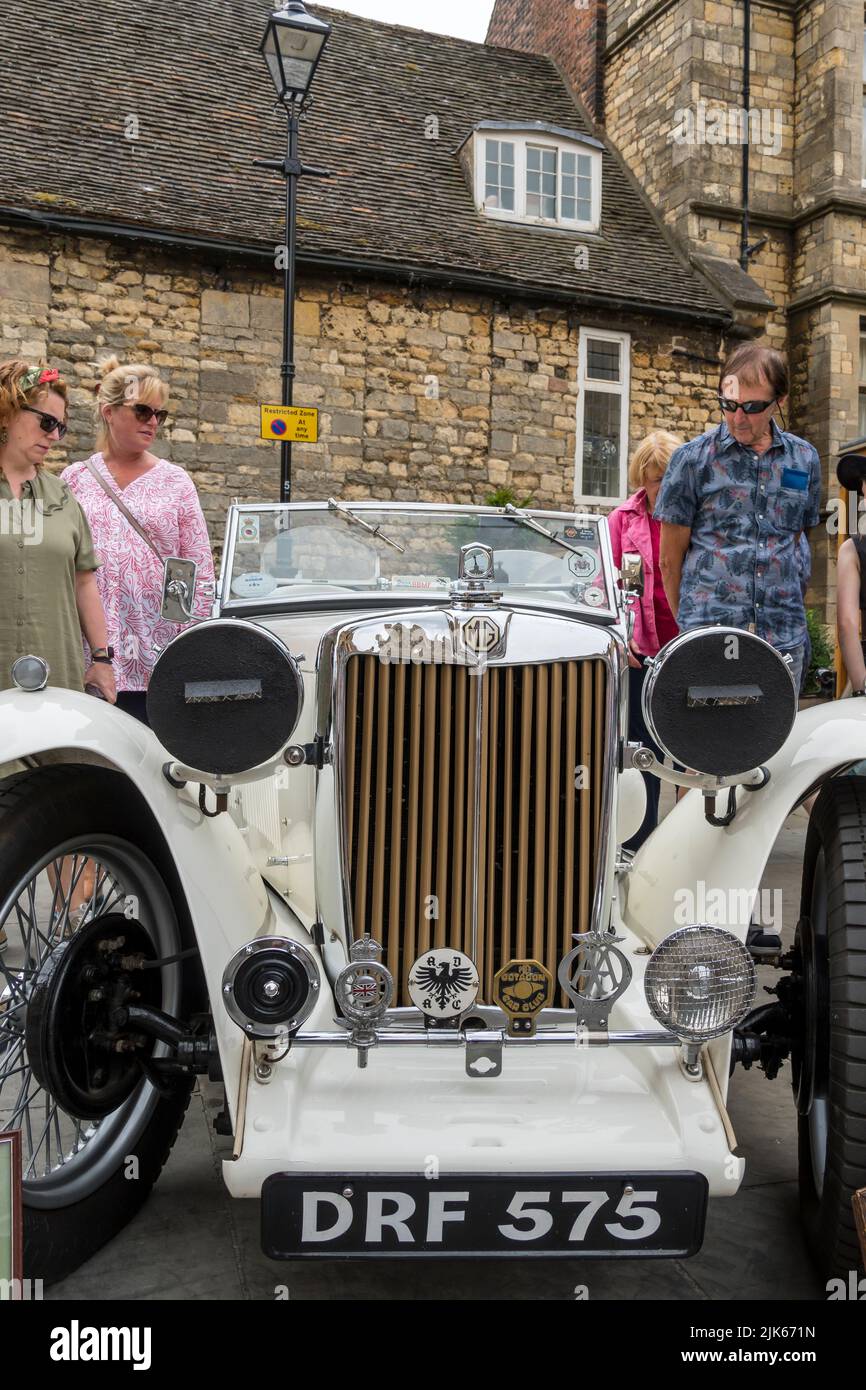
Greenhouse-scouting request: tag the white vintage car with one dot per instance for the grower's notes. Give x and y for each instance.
(368, 872)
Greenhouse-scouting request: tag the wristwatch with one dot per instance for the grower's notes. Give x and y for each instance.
(105, 654)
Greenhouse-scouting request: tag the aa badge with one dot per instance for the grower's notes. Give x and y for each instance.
(522, 988)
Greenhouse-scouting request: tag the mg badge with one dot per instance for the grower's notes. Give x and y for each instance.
(481, 634)
(365, 988)
(443, 983)
(522, 988)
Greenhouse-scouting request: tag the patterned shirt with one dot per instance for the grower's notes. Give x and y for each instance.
(165, 502)
(745, 511)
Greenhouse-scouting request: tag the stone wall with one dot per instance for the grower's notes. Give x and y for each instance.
(674, 72)
(829, 100)
(423, 395)
(664, 58)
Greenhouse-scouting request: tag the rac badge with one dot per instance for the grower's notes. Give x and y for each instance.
(522, 988)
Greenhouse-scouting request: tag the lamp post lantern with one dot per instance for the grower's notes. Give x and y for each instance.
(292, 46)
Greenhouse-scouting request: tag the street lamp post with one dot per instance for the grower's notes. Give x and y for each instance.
(292, 46)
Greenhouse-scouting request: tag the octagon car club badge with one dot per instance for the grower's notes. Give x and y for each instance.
(443, 983)
(522, 988)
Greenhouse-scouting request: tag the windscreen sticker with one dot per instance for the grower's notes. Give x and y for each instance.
(249, 530)
(253, 585)
(578, 533)
(419, 581)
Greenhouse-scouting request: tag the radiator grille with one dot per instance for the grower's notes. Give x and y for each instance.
(409, 783)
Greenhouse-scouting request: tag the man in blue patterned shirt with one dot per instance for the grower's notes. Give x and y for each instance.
(733, 505)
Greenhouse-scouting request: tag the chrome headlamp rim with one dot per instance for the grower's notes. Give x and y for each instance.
(655, 665)
(245, 625)
(17, 669)
(739, 957)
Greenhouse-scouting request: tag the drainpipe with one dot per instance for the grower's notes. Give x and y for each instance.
(744, 230)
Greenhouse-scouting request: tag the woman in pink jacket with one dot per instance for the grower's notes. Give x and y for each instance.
(634, 528)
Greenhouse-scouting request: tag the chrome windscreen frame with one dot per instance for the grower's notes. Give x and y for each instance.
(608, 613)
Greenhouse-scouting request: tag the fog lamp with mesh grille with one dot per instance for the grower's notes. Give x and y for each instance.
(700, 982)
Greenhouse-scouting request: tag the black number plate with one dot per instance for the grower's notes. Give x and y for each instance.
(328, 1214)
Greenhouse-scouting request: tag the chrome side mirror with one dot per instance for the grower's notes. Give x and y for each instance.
(631, 573)
(178, 590)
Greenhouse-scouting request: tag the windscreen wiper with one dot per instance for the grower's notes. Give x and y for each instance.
(343, 511)
(527, 519)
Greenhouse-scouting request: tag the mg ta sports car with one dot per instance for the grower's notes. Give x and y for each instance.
(367, 872)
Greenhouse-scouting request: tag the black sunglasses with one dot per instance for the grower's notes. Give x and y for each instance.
(48, 423)
(747, 407)
(146, 413)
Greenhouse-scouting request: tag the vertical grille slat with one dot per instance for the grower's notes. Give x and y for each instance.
(443, 858)
(410, 775)
(557, 787)
(585, 794)
(380, 870)
(491, 859)
(396, 866)
(539, 810)
(508, 678)
(352, 674)
(458, 841)
(524, 791)
(365, 797)
(467, 740)
(414, 760)
(426, 883)
(570, 885)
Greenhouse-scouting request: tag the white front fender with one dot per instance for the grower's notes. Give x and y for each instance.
(226, 897)
(686, 851)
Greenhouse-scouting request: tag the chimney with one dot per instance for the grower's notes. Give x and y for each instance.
(571, 32)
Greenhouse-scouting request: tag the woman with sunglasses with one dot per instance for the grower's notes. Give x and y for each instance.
(131, 407)
(47, 561)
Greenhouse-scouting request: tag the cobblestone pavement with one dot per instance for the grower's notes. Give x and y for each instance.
(192, 1241)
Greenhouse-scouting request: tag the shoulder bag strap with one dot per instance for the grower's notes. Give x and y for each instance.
(122, 508)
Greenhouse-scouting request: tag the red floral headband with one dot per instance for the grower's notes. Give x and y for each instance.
(37, 376)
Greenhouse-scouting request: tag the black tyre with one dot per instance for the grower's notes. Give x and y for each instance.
(829, 1061)
(65, 831)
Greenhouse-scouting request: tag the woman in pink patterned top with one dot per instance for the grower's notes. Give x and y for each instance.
(131, 404)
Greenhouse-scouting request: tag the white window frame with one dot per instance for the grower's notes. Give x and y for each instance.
(620, 388)
(520, 140)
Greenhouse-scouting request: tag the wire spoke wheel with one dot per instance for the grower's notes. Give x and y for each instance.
(76, 847)
(45, 912)
(61, 1152)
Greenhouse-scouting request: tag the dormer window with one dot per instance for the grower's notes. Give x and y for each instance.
(537, 175)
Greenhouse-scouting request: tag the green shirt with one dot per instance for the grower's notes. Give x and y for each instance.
(44, 540)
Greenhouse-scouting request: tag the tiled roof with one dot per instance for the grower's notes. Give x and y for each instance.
(193, 77)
